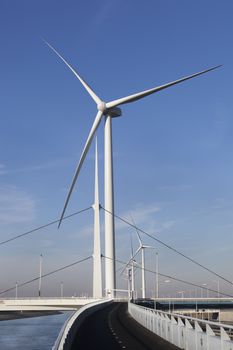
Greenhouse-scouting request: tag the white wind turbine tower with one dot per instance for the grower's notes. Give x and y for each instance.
(132, 268)
(97, 272)
(109, 110)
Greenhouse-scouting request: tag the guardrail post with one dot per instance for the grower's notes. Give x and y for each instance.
(198, 331)
(180, 333)
(173, 330)
(153, 329)
(151, 321)
(188, 327)
(209, 334)
(145, 318)
(157, 322)
(163, 326)
(224, 339)
(168, 328)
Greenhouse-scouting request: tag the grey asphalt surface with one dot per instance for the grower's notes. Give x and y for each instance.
(113, 328)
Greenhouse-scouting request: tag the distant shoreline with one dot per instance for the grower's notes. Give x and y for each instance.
(14, 315)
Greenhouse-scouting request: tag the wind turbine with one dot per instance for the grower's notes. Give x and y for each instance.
(142, 248)
(97, 273)
(109, 110)
(40, 275)
(129, 266)
(132, 267)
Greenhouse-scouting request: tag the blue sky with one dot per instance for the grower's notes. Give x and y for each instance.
(172, 151)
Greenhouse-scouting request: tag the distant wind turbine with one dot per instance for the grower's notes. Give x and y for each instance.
(130, 266)
(142, 248)
(109, 110)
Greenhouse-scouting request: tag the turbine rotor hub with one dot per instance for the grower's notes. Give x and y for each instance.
(102, 107)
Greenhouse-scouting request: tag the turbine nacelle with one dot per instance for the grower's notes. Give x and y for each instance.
(113, 112)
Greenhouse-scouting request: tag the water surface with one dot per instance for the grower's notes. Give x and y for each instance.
(37, 333)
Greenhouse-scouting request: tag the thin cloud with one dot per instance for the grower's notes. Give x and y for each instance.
(36, 167)
(2, 169)
(175, 188)
(104, 13)
(83, 232)
(141, 214)
(87, 231)
(16, 206)
(168, 224)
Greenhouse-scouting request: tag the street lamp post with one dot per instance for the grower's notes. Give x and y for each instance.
(190, 294)
(217, 281)
(157, 276)
(196, 300)
(205, 287)
(181, 293)
(61, 286)
(169, 301)
(40, 275)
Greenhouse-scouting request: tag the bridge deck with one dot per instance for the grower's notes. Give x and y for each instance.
(113, 328)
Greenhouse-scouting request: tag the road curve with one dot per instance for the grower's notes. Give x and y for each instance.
(113, 328)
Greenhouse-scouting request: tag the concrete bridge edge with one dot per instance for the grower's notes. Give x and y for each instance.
(69, 330)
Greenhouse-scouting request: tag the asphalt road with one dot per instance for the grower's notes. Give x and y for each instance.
(113, 328)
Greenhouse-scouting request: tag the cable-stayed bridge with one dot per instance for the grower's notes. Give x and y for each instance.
(111, 316)
(172, 309)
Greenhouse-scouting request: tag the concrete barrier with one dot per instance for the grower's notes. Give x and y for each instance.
(72, 325)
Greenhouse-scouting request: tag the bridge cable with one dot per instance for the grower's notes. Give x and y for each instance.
(169, 246)
(43, 226)
(173, 278)
(46, 274)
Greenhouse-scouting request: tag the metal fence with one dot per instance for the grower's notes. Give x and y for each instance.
(185, 332)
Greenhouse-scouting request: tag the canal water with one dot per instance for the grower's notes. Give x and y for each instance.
(35, 333)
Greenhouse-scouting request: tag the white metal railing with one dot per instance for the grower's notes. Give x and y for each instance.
(185, 332)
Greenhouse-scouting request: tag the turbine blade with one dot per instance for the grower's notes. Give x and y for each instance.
(139, 95)
(137, 251)
(139, 238)
(131, 244)
(138, 235)
(81, 160)
(131, 259)
(125, 266)
(86, 86)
